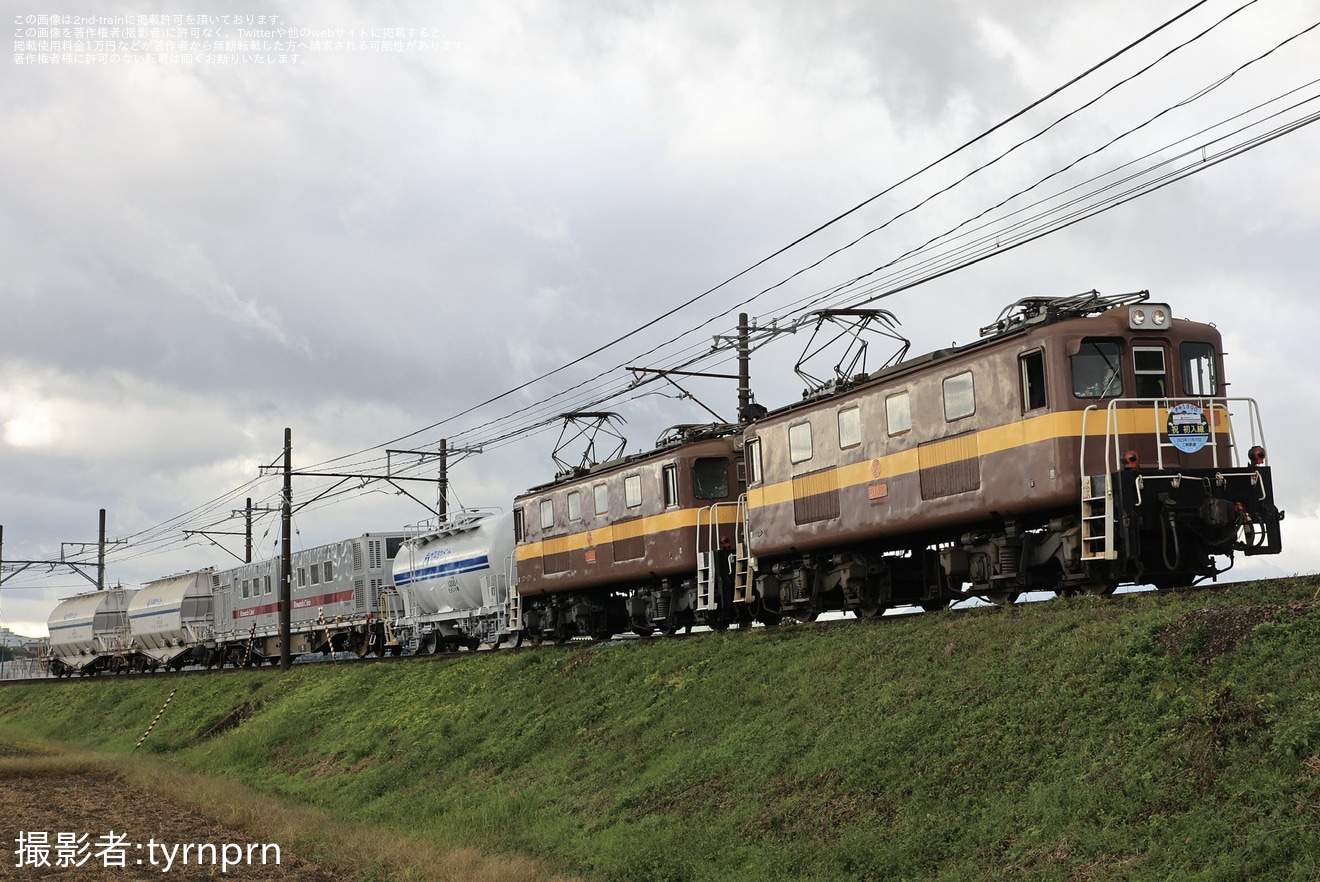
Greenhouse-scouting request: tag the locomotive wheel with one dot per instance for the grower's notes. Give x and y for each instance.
(1000, 598)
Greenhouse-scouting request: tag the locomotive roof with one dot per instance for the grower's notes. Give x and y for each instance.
(682, 436)
(1016, 320)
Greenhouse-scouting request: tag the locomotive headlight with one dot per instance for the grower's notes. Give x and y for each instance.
(1151, 316)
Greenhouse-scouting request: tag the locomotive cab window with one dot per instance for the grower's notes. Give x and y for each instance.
(1032, 367)
(632, 491)
(602, 492)
(710, 478)
(850, 427)
(547, 514)
(754, 460)
(670, 476)
(898, 413)
(574, 506)
(959, 397)
(1198, 369)
(1097, 370)
(1148, 371)
(799, 442)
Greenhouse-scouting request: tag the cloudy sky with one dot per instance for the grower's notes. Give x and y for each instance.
(409, 209)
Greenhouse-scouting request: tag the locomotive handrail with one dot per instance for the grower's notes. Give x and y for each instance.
(1159, 409)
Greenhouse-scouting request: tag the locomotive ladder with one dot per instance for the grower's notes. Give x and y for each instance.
(1097, 520)
(708, 556)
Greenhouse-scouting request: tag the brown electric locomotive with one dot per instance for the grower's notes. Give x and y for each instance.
(641, 543)
(1082, 443)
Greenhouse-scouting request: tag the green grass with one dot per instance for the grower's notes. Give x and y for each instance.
(1171, 736)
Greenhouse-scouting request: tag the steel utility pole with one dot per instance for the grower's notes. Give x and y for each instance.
(744, 369)
(286, 555)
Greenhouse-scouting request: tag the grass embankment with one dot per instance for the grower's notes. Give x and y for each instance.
(1142, 737)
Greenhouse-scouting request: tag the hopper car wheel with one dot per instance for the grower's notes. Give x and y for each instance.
(429, 645)
(869, 611)
(643, 632)
(515, 639)
(396, 649)
(719, 625)
(933, 605)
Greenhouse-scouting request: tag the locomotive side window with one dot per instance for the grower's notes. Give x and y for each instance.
(799, 442)
(1148, 369)
(1032, 365)
(1198, 369)
(602, 492)
(302, 577)
(959, 397)
(574, 506)
(316, 575)
(547, 514)
(245, 588)
(632, 491)
(710, 478)
(329, 571)
(850, 427)
(267, 591)
(898, 413)
(519, 530)
(754, 460)
(670, 476)
(1097, 370)
(393, 544)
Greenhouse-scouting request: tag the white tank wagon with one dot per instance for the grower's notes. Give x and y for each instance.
(453, 580)
(89, 633)
(171, 621)
(340, 594)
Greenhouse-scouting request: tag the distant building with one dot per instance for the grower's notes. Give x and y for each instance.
(13, 641)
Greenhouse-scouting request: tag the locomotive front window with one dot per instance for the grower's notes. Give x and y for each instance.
(602, 492)
(898, 413)
(547, 514)
(1198, 369)
(710, 478)
(632, 491)
(799, 442)
(850, 427)
(1097, 370)
(959, 397)
(1148, 370)
(575, 506)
